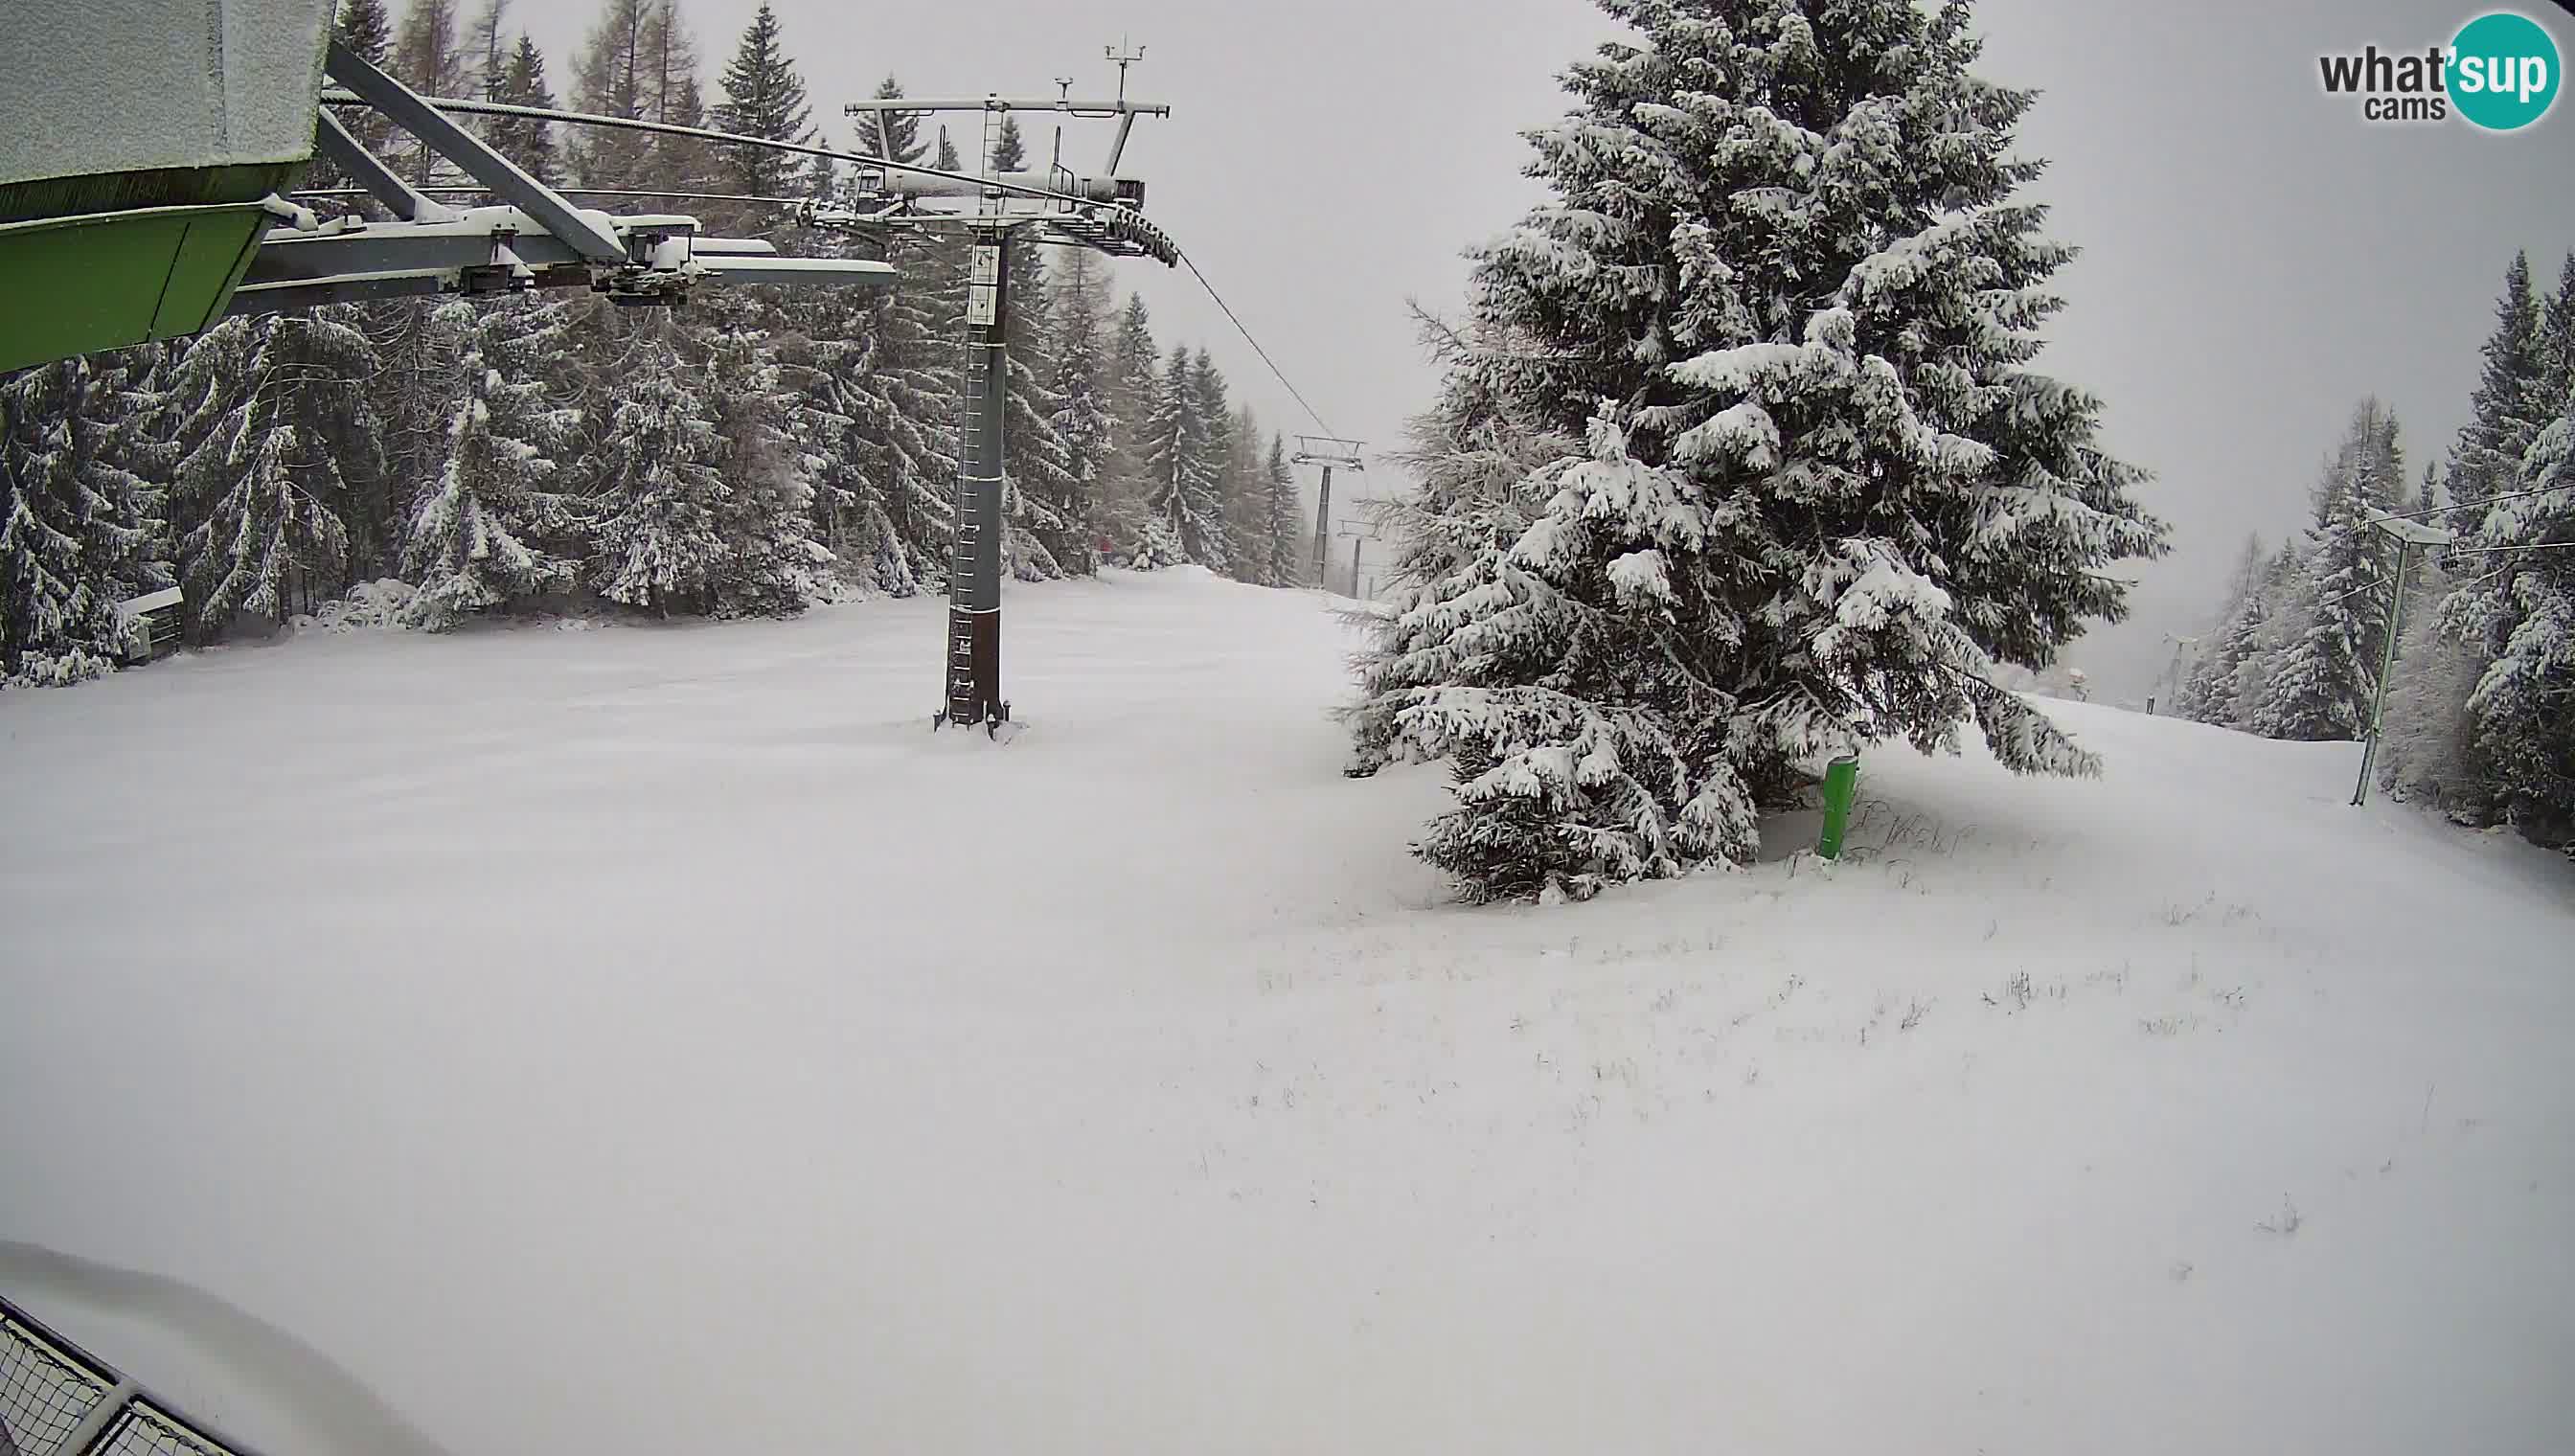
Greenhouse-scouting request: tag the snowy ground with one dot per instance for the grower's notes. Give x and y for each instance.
(657, 1040)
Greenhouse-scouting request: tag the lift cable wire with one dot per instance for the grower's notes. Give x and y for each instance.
(2473, 505)
(2449, 553)
(1254, 343)
(336, 95)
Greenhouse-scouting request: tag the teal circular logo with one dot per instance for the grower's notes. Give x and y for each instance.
(2503, 71)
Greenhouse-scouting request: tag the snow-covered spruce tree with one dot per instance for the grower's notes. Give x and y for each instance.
(1134, 387)
(2557, 330)
(2519, 614)
(79, 530)
(2428, 755)
(1480, 482)
(772, 565)
(1045, 507)
(2510, 405)
(2203, 693)
(1246, 500)
(2319, 687)
(763, 96)
(656, 543)
(478, 533)
(1785, 291)
(525, 140)
(1082, 418)
(276, 419)
(911, 421)
(1286, 514)
(1182, 506)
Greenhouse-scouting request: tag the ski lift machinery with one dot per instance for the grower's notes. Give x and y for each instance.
(146, 192)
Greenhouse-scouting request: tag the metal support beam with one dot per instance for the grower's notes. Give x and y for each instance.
(361, 166)
(500, 249)
(974, 554)
(580, 230)
(1322, 527)
(102, 1415)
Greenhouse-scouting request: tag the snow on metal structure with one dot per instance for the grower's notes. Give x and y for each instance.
(137, 177)
(140, 189)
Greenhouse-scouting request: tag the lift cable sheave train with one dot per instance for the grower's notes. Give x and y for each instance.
(149, 192)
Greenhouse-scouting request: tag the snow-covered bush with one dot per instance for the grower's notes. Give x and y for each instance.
(59, 669)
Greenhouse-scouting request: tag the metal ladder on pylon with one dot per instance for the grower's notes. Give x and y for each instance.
(978, 500)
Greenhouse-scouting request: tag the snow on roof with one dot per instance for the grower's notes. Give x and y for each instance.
(133, 85)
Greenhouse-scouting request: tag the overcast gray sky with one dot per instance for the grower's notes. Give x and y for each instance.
(2256, 257)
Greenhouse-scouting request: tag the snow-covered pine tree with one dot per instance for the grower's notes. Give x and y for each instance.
(1010, 149)
(1246, 500)
(1181, 506)
(2206, 693)
(1286, 509)
(487, 50)
(1824, 498)
(1046, 506)
(79, 530)
(2510, 405)
(2429, 754)
(2319, 687)
(430, 57)
(773, 567)
(608, 80)
(526, 141)
(365, 27)
(658, 491)
(763, 96)
(277, 419)
(2518, 614)
(1133, 385)
(479, 536)
(1082, 418)
(910, 423)
(1478, 479)
(1215, 418)
(902, 128)
(414, 381)
(2557, 333)
(2281, 614)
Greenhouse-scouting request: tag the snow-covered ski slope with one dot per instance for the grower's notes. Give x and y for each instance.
(658, 1041)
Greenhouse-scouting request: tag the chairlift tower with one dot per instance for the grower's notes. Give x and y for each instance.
(1102, 213)
(1358, 538)
(2410, 537)
(1331, 452)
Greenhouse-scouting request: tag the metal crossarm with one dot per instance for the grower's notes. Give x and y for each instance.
(584, 232)
(398, 196)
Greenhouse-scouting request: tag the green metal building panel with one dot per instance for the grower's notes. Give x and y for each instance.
(105, 281)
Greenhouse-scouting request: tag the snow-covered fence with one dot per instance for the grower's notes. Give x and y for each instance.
(57, 1399)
